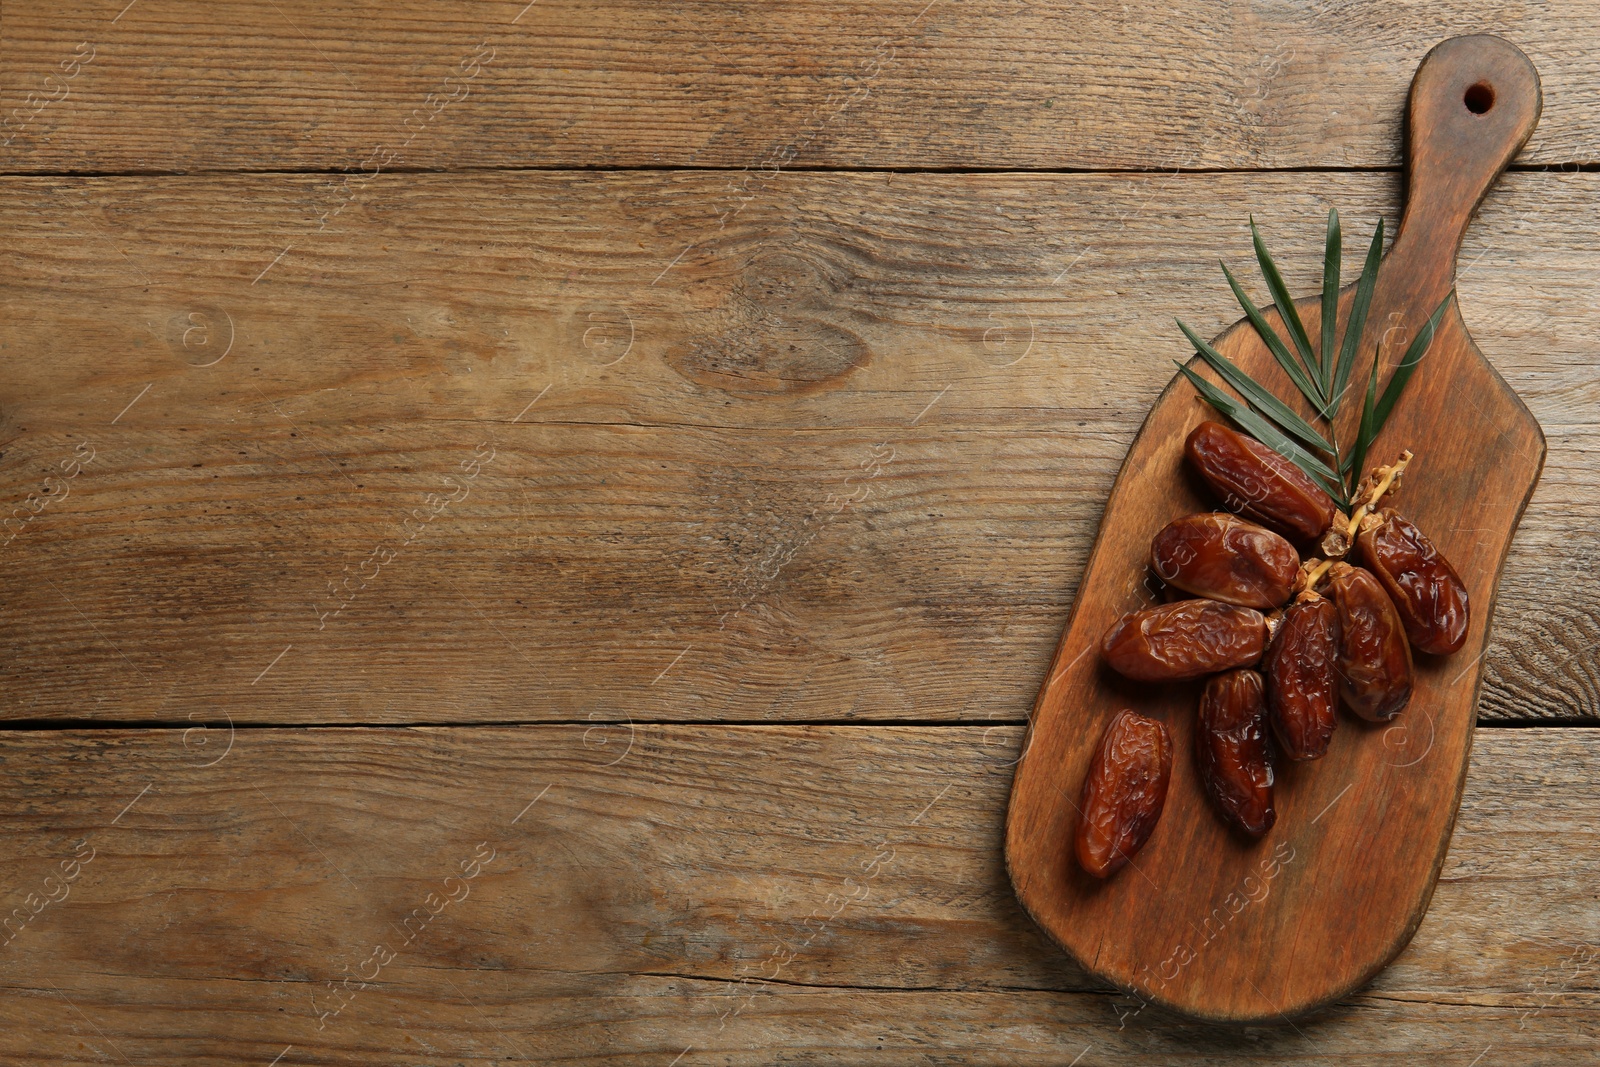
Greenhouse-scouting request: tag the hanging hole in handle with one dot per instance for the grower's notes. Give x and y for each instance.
(1479, 98)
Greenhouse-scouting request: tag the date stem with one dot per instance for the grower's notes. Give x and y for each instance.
(1311, 572)
(1387, 476)
(1341, 535)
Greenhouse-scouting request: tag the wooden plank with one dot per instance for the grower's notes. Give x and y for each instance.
(108, 85)
(710, 892)
(862, 434)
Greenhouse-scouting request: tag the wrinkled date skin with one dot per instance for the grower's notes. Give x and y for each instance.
(1302, 678)
(1230, 746)
(1253, 480)
(1124, 792)
(1184, 640)
(1374, 662)
(1425, 589)
(1223, 557)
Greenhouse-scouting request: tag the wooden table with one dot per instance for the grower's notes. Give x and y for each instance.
(533, 531)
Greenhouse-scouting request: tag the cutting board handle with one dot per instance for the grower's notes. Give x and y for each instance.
(1474, 102)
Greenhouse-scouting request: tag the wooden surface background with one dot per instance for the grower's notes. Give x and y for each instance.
(648, 471)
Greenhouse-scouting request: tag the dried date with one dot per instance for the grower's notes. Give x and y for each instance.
(1425, 589)
(1374, 662)
(1124, 792)
(1254, 480)
(1302, 677)
(1231, 748)
(1184, 640)
(1223, 557)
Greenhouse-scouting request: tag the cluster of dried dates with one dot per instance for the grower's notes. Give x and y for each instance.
(1284, 641)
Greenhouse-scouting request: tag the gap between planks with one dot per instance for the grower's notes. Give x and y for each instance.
(1564, 167)
(102, 725)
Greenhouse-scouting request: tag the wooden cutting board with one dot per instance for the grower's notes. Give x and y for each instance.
(1204, 921)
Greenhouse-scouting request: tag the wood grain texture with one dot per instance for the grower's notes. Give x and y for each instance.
(863, 432)
(834, 893)
(806, 446)
(906, 83)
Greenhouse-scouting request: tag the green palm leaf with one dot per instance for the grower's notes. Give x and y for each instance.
(1322, 377)
(1274, 343)
(1408, 366)
(1286, 308)
(1357, 322)
(1330, 302)
(1364, 434)
(1257, 396)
